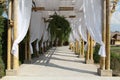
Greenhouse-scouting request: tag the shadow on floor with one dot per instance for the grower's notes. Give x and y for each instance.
(65, 55)
(77, 61)
(44, 60)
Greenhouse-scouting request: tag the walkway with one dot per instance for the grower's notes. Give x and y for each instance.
(58, 64)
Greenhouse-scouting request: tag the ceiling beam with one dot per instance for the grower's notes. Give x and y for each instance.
(38, 8)
(66, 8)
(60, 8)
(72, 16)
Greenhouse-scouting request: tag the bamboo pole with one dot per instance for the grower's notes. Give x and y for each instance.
(9, 38)
(80, 52)
(82, 49)
(88, 47)
(28, 48)
(15, 59)
(26, 45)
(91, 49)
(102, 59)
(70, 45)
(107, 35)
(78, 46)
(73, 47)
(77, 50)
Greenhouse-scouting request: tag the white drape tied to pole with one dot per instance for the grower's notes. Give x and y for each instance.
(93, 19)
(24, 15)
(82, 28)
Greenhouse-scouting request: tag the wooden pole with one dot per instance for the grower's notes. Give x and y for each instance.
(75, 46)
(77, 49)
(107, 35)
(9, 37)
(82, 49)
(80, 46)
(70, 45)
(80, 52)
(102, 59)
(16, 59)
(28, 48)
(91, 49)
(88, 47)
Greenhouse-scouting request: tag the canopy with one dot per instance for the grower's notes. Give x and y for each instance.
(88, 14)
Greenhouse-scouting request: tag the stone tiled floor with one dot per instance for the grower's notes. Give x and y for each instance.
(58, 64)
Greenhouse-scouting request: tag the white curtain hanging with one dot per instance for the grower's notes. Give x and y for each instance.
(93, 15)
(36, 29)
(24, 15)
(74, 35)
(71, 38)
(46, 34)
(82, 27)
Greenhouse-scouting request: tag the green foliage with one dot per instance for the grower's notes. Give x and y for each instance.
(59, 28)
(3, 42)
(96, 57)
(3, 46)
(2, 67)
(115, 62)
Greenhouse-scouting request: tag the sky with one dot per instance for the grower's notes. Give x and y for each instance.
(115, 20)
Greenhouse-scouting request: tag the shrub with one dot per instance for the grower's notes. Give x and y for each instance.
(3, 45)
(96, 56)
(115, 61)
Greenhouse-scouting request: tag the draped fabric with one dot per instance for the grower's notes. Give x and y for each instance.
(24, 15)
(82, 27)
(74, 35)
(71, 38)
(37, 28)
(45, 35)
(93, 15)
(89, 21)
(78, 28)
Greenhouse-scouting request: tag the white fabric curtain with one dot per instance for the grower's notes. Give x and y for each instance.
(71, 38)
(81, 26)
(46, 35)
(93, 15)
(24, 16)
(36, 29)
(74, 35)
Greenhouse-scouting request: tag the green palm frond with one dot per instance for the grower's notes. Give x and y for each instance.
(59, 27)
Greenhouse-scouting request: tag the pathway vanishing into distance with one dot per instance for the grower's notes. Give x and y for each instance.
(58, 64)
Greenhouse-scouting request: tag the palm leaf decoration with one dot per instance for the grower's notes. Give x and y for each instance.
(59, 28)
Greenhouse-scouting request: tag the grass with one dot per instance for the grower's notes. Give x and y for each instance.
(115, 49)
(115, 60)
